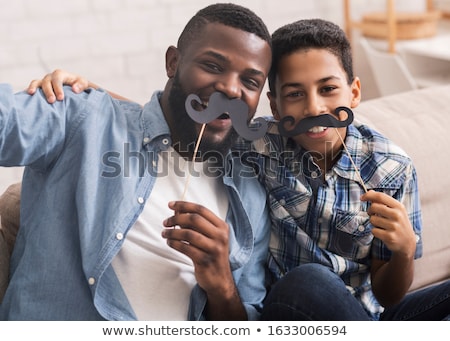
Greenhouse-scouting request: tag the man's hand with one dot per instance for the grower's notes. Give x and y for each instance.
(199, 234)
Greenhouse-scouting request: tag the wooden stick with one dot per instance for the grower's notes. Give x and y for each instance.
(200, 135)
(351, 160)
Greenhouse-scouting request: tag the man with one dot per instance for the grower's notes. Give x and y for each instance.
(103, 175)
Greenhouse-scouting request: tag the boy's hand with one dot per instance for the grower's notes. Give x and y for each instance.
(391, 224)
(52, 84)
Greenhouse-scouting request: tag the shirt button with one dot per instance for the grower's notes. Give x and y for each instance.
(119, 236)
(140, 200)
(91, 280)
(314, 175)
(165, 141)
(361, 228)
(282, 202)
(417, 238)
(146, 140)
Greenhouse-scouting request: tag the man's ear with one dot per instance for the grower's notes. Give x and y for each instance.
(273, 105)
(172, 59)
(356, 92)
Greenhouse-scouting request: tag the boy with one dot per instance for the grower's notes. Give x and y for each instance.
(337, 252)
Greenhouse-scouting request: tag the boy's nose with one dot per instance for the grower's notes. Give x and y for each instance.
(314, 106)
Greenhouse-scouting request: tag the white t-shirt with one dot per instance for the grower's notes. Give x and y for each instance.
(156, 278)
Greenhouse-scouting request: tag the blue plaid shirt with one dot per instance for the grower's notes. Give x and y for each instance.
(325, 222)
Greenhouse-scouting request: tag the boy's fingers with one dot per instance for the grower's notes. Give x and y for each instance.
(50, 92)
(32, 87)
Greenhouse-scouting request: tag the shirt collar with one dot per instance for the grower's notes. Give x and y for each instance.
(154, 121)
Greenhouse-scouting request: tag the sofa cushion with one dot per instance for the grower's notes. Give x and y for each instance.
(419, 122)
(10, 214)
(9, 225)
(4, 265)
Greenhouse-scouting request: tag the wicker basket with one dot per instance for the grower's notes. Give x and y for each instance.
(409, 25)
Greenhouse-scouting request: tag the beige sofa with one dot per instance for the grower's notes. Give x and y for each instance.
(419, 121)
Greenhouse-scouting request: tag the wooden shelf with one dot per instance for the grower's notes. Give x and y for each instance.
(393, 25)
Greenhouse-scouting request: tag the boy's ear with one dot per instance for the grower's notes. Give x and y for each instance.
(356, 92)
(273, 106)
(172, 58)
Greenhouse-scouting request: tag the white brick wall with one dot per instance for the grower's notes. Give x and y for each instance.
(120, 44)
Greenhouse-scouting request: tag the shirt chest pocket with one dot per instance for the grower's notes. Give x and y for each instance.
(288, 203)
(353, 235)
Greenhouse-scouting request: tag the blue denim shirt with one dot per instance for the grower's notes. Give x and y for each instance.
(90, 167)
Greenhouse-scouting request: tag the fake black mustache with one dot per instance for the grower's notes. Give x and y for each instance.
(325, 120)
(236, 109)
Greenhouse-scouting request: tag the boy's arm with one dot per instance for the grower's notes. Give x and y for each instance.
(52, 85)
(391, 279)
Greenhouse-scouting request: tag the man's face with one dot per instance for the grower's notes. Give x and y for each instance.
(223, 59)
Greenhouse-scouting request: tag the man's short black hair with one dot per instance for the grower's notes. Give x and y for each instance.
(310, 34)
(227, 14)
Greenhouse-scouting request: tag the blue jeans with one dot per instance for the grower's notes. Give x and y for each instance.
(313, 292)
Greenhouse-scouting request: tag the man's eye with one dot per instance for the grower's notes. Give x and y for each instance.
(251, 83)
(212, 67)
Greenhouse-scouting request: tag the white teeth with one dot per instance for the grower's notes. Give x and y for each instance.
(317, 129)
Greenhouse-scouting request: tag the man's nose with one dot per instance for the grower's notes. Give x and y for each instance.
(230, 85)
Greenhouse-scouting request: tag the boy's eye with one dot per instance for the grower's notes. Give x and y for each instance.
(294, 94)
(328, 88)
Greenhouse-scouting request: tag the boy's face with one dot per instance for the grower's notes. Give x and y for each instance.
(310, 83)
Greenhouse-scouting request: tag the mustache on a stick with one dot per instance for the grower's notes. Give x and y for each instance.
(236, 109)
(325, 120)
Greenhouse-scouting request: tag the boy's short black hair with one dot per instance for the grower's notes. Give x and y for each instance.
(228, 14)
(310, 34)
